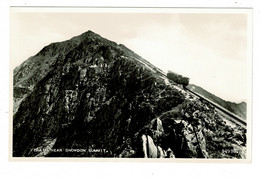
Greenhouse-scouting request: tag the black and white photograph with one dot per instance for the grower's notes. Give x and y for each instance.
(167, 84)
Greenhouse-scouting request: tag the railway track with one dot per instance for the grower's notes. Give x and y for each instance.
(224, 112)
(227, 114)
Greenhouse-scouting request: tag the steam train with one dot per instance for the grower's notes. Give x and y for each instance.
(177, 78)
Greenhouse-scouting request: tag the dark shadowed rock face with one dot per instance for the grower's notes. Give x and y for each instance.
(89, 97)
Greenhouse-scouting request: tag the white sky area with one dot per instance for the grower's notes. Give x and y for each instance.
(209, 48)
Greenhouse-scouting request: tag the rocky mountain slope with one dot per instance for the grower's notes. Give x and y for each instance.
(236, 108)
(90, 97)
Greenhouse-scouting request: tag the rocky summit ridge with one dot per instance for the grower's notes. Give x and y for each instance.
(90, 97)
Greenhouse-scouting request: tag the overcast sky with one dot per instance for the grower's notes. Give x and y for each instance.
(210, 48)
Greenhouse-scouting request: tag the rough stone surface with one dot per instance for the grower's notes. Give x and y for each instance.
(89, 97)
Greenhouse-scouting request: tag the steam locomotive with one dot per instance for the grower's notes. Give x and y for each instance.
(177, 78)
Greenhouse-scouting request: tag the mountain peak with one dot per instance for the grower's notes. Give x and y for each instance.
(89, 97)
(87, 34)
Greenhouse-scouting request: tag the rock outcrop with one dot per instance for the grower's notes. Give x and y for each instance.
(89, 97)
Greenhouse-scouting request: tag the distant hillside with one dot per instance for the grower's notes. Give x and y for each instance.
(90, 97)
(238, 109)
